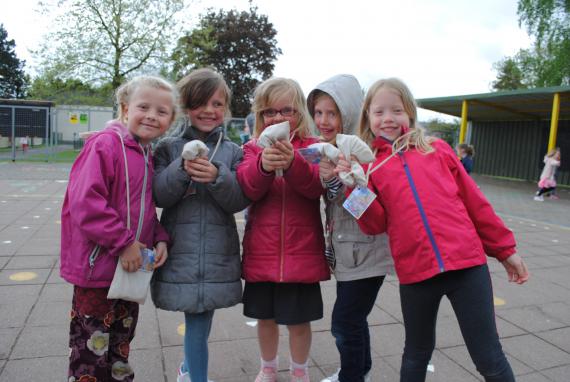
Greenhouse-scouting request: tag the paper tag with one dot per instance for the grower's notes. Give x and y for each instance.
(311, 154)
(358, 201)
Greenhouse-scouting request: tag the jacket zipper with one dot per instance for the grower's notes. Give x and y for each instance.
(422, 214)
(95, 252)
(282, 258)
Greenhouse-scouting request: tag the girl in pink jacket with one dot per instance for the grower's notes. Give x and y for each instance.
(440, 227)
(94, 234)
(283, 244)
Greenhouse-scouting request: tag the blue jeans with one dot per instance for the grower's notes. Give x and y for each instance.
(198, 327)
(471, 296)
(354, 302)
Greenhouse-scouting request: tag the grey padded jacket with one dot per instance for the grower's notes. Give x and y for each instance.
(358, 256)
(203, 269)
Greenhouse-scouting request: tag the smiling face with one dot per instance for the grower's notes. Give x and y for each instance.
(149, 113)
(282, 104)
(327, 117)
(387, 114)
(210, 115)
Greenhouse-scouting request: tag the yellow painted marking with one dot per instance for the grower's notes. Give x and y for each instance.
(181, 329)
(498, 301)
(23, 276)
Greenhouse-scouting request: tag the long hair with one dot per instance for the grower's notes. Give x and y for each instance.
(415, 137)
(273, 89)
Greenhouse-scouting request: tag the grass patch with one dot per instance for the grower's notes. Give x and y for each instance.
(66, 156)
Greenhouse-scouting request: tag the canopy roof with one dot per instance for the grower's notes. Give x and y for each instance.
(515, 105)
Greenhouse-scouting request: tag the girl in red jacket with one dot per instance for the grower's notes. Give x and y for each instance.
(440, 228)
(283, 244)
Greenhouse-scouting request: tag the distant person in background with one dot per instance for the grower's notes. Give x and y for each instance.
(466, 153)
(249, 124)
(547, 182)
(24, 141)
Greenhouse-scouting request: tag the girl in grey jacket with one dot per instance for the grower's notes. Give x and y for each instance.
(199, 198)
(359, 262)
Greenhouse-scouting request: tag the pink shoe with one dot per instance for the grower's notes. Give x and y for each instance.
(554, 197)
(267, 374)
(299, 375)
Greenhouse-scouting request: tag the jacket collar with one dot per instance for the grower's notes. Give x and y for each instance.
(190, 133)
(118, 127)
(384, 144)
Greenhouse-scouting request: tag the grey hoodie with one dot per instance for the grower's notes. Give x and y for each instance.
(358, 256)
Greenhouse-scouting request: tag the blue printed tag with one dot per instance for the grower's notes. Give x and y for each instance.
(358, 201)
(147, 260)
(311, 154)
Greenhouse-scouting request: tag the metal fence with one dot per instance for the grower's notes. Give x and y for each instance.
(38, 131)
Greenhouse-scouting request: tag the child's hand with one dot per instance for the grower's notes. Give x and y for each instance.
(201, 170)
(326, 169)
(516, 269)
(286, 149)
(161, 250)
(343, 165)
(272, 159)
(131, 259)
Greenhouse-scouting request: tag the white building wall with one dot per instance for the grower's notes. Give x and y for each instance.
(70, 120)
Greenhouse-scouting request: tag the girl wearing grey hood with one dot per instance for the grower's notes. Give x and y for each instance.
(359, 262)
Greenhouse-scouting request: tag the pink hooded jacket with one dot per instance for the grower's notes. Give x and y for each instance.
(94, 209)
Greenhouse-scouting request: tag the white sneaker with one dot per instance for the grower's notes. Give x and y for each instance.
(539, 198)
(184, 377)
(334, 377)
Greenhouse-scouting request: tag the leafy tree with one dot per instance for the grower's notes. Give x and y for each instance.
(13, 80)
(547, 62)
(242, 46)
(70, 91)
(105, 41)
(549, 22)
(509, 75)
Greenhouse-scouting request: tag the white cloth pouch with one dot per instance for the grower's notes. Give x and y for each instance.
(130, 286)
(195, 149)
(272, 134)
(351, 145)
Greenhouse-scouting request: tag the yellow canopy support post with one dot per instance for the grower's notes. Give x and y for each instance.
(554, 122)
(463, 129)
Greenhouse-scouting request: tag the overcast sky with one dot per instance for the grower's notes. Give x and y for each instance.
(438, 47)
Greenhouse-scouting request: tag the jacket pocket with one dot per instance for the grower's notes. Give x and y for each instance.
(352, 249)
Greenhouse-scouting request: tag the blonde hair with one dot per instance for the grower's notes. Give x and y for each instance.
(124, 93)
(199, 86)
(271, 90)
(415, 137)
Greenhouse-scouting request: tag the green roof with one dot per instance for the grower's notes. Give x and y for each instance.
(514, 105)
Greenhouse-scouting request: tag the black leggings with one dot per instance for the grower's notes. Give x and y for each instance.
(471, 296)
(544, 190)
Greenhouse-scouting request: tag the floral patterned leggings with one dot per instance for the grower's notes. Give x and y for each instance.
(100, 334)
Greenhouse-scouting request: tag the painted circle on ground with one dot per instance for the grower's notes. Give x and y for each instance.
(497, 301)
(23, 276)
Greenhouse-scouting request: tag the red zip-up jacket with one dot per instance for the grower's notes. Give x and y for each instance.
(283, 239)
(435, 215)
